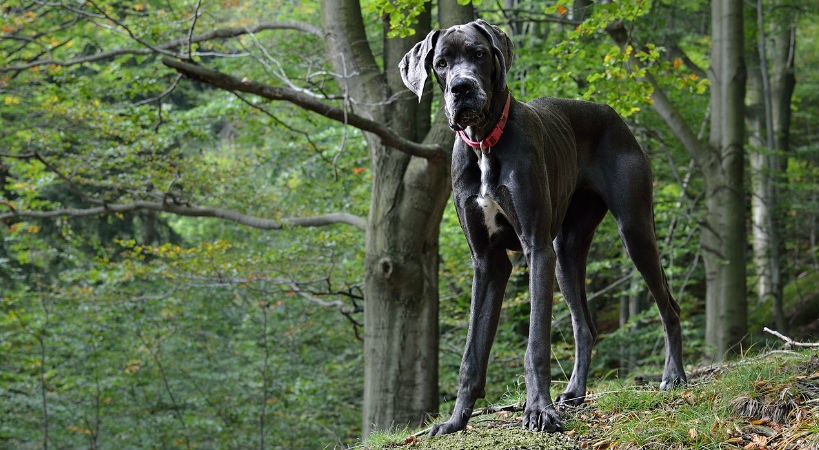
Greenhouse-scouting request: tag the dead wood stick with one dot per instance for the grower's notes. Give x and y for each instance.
(789, 341)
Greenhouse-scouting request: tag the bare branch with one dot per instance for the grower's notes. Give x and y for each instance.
(196, 211)
(221, 33)
(196, 14)
(162, 95)
(388, 137)
(674, 119)
(348, 311)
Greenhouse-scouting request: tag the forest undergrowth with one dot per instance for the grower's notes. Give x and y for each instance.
(769, 401)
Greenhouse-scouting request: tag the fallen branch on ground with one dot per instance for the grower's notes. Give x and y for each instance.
(790, 342)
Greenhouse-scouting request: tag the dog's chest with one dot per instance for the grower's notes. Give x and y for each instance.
(492, 212)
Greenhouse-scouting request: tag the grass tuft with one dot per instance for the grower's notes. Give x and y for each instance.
(385, 439)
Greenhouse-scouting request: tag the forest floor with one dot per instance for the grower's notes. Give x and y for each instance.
(770, 401)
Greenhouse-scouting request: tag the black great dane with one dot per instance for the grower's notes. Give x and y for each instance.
(536, 177)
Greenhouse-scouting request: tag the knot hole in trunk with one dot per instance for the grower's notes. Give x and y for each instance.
(385, 264)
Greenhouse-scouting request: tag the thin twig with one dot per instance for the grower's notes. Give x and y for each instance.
(128, 30)
(162, 95)
(283, 124)
(193, 26)
(790, 342)
(177, 408)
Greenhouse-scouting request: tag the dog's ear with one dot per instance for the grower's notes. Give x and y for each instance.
(415, 65)
(501, 46)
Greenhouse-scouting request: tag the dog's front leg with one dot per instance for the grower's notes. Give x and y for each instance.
(491, 272)
(540, 414)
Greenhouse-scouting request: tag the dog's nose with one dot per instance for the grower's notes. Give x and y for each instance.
(461, 86)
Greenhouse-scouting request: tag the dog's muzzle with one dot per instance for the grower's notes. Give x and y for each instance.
(465, 103)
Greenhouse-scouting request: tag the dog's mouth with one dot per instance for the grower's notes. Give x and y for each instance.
(466, 109)
(464, 117)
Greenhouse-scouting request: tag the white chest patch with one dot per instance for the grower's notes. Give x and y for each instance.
(489, 207)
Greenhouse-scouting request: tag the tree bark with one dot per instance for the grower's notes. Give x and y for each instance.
(771, 87)
(407, 202)
(723, 231)
(783, 82)
(763, 167)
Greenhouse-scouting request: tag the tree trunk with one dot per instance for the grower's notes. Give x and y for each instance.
(763, 166)
(783, 82)
(723, 232)
(407, 202)
(723, 235)
(631, 305)
(771, 87)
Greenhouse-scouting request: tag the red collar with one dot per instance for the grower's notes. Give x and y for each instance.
(494, 136)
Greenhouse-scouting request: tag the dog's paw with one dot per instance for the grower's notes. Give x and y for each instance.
(673, 382)
(450, 426)
(542, 418)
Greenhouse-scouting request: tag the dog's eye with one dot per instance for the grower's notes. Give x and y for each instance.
(479, 54)
(441, 63)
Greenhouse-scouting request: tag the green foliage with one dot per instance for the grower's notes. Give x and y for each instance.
(402, 14)
(145, 330)
(142, 330)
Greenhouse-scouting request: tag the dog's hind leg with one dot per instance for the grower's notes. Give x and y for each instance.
(632, 209)
(572, 247)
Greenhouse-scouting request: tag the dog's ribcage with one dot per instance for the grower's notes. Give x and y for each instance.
(489, 207)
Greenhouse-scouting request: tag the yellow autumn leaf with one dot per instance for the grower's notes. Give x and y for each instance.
(81, 430)
(133, 366)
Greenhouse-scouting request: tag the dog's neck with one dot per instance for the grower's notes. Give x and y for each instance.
(496, 110)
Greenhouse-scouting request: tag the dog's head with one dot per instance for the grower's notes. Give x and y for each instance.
(469, 61)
